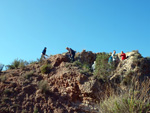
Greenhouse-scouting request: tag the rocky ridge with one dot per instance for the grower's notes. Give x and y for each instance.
(64, 89)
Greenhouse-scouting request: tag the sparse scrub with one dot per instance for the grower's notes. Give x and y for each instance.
(3, 78)
(86, 69)
(28, 74)
(22, 64)
(67, 65)
(39, 60)
(46, 68)
(134, 100)
(77, 63)
(43, 86)
(17, 64)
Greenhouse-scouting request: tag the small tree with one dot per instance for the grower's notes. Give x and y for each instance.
(103, 69)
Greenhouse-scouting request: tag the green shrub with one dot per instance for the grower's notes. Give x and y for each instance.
(23, 63)
(103, 69)
(28, 75)
(86, 69)
(43, 86)
(17, 64)
(77, 63)
(46, 68)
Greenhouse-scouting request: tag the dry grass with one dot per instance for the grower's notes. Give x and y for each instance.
(43, 86)
(134, 100)
(3, 78)
(27, 75)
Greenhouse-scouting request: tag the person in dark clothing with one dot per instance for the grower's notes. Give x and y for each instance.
(44, 53)
(71, 53)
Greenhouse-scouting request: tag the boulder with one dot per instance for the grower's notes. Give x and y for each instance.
(86, 57)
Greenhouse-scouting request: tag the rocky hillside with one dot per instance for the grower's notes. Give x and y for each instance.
(63, 87)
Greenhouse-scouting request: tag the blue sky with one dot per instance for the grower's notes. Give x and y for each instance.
(27, 26)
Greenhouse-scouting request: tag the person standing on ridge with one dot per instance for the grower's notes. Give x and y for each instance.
(93, 66)
(44, 53)
(112, 58)
(114, 55)
(71, 53)
(123, 55)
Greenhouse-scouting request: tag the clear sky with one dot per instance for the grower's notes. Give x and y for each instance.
(27, 26)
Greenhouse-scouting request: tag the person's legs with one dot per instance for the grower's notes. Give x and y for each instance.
(42, 56)
(73, 57)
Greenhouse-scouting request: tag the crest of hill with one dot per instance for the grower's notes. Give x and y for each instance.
(58, 86)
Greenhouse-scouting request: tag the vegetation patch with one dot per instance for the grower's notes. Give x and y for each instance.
(45, 69)
(77, 63)
(17, 64)
(3, 78)
(133, 100)
(43, 86)
(103, 69)
(86, 69)
(28, 74)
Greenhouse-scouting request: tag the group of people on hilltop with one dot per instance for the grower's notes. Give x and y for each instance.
(114, 58)
(71, 53)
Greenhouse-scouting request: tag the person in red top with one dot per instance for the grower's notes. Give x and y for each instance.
(123, 55)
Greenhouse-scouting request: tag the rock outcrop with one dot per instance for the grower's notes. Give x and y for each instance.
(134, 66)
(64, 89)
(86, 57)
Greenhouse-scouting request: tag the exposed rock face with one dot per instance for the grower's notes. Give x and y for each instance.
(87, 57)
(58, 59)
(68, 89)
(64, 89)
(135, 65)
